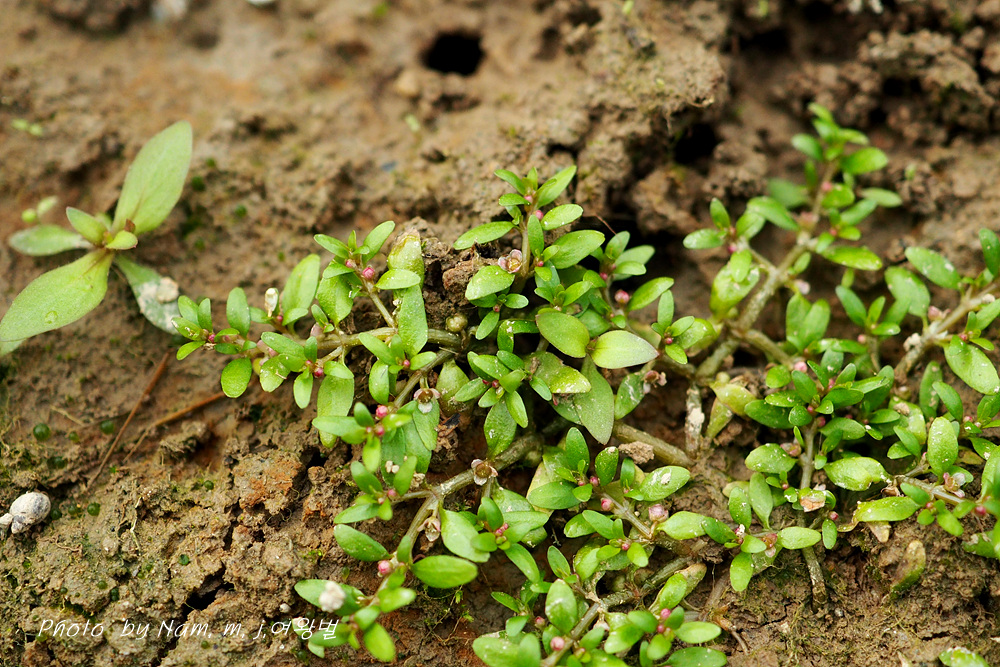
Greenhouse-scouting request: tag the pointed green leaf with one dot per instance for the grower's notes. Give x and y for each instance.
(620, 349)
(155, 179)
(236, 377)
(43, 240)
(444, 571)
(58, 297)
(565, 332)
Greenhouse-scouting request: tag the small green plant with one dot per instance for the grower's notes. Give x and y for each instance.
(59, 297)
(555, 355)
(554, 340)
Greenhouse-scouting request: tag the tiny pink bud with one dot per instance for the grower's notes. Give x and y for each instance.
(316, 331)
(368, 273)
(626, 545)
(660, 629)
(606, 504)
(539, 215)
(381, 411)
(210, 338)
(929, 505)
(862, 339)
(621, 297)
(980, 510)
(380, 430)
(964, 337)
(834, 516)
(557, 643)
(821, 421)
(279, 318)
(539, 622)
(801, 366)
(350, 264)
(731, 248)
(784, 486)
(318, 372)
(406, 363)
(669, 340)
(664, 614)
(827, 186)
(934, 313)
(384, 567)
(529, 198)
(657, 513)
(391, 493)
(594, 481)
(604, 276)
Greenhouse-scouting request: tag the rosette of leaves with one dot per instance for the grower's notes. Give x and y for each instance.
(152, 186)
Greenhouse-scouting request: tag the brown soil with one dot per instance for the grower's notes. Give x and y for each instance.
(314, 116)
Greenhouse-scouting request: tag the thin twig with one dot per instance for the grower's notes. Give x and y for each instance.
(662, 449)
(169, 418)
(128, 420)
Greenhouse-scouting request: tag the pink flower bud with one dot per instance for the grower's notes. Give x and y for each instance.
(539, 215)
(606, 504)
(557, 644)
(664, 614)
(368, 273)
(384, 567)
(381, 411)
(380, 430)
(621, 297)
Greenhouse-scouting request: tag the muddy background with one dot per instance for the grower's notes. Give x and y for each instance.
(314, 116)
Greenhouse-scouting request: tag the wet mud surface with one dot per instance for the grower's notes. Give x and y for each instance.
(321, 117)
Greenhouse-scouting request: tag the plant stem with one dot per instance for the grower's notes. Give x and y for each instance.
(435, 336)
(935, 491)
(614, 600)
(506, 458)
(806, 460)
(662, 449)
(415, 376)
(386, 315)
(762, 342)
(935, 330)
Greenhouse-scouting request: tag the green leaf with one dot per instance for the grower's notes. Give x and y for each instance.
(496, 652)
(444, 571)
(561, 607)
(909, 289)
(237, 311)
(553, 496)
(886, 198)
(733, 282)
(961, 657)
(698, 656)
(482, 234)
(806, 143)
(894, 508)
(702, 239)
(561, 215)
(574, 246)
(565, 332)
(488, 280)
(697, 632)
(855, 258)
(856, 473)
(649, 292)
(660, 483)
(557, 376)
(376, 239)
(620, 349)
(58, 297)
(974, 368)
(43, 240)
(768, 415)
(358, 545)
(155, 295)
(740, 571)
(511, 178)
(236, 377)
(942, 445)
(123, 240)
(379, 643)
(458, 532)
(90, 228)
(301, 287)
(805, 323)
(552, 188)
(395, 279)
(597, 406)
(155, 179)
(864, 160)
(302, 389)
(772, 211)
(771, 459)
(684, 525)
(991, 250)
(499, 428)
(934, 267)
(795, 537)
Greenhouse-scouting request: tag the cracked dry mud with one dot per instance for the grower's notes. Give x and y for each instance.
(315, 116)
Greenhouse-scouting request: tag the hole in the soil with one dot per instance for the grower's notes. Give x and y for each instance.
(771, 43)
(549, 48)
(696, 144)
(455, 52)
(584, 13)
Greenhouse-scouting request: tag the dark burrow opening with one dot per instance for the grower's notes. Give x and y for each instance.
(458, 52)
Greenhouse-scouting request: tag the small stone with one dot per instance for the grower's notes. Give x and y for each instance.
(26, 511)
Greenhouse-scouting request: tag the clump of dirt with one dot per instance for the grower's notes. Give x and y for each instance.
(318, 117)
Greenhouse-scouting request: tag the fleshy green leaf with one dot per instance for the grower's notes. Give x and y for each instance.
(560, 606)
(444, 571)
(972, 366)
(156, 295)
(620, 349)
(358, 545)
(561, 215)
(856, 473)
(552, 188)
(155, 179)
(491, 231)
(864, 160)
(58, 297)
(852, 257)
(43, 240)
(894, 508)
(795, 537)
(942, 445)
(565, 332)
(236, 377)
(488, 280)
(934, 267)
(301, 287)
(90, 228)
